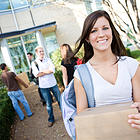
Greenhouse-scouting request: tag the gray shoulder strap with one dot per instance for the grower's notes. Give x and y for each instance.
(87, 83)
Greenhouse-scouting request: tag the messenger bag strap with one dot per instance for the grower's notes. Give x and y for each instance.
(87, 82)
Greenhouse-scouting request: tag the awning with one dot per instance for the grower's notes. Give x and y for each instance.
(28, 30)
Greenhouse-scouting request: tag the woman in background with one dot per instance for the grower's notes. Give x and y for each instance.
(67, 63)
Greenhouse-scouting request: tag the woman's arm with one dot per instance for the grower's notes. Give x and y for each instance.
(134, 119)
(136, 85)
(65, 75)
(81, 99)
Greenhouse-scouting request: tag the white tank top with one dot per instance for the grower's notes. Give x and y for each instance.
(107, 93)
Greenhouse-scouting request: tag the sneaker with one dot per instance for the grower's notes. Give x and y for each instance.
(50, 124)
(31, 115)
(23, 119)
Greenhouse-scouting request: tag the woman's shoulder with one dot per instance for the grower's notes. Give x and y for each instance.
(130, 63)
(128, 59)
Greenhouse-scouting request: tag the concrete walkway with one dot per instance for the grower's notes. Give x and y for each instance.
(36, 127)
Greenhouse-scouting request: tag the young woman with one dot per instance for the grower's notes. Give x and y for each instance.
(116, 77)
(67, 64)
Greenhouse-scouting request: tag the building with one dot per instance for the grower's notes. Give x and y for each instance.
(24, 24)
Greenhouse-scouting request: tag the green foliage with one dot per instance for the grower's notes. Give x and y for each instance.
(135, 54)
(128, 51)
(6, 113)
(56, 59)
(6, 118)
(80, 54)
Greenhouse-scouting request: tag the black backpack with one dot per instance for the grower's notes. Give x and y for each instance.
(35, 79)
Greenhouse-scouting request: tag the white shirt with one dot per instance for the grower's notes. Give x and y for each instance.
(107, 93)
(47, 80)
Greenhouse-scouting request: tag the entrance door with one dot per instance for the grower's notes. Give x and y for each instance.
(17, 54)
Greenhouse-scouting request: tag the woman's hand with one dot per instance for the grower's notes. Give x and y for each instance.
(134, 119)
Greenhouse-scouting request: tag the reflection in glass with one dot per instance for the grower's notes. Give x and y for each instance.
(51, 42)
(19, 3)
(1, 57)
(18, 55)
(30, 43)
(99, 4)
(93, 5)
(4, 5)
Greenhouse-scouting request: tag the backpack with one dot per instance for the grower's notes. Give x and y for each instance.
(35, 79)
(79, 61)
(68, 99)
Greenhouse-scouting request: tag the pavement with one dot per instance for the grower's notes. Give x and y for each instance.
(36, 126)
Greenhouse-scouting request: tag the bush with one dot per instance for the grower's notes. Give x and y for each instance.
(6, 118)
(135, 54)
(128, 52)
(56, 59)
(7, 113)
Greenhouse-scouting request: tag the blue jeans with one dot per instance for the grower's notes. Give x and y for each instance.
(18, 95)
(47, 96)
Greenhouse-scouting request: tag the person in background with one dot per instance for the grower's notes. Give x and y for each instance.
(10, 79)
(116, 77)
(31, 77)
(47, 81)
(67, 63)
(30, 57)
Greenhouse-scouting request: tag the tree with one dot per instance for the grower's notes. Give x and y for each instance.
(131, 26)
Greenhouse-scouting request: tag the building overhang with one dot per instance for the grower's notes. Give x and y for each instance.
(48, 27)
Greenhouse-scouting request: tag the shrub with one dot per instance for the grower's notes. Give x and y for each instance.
(128, 51)
(6, 118)
(135, 54)
(56, 59)
(7, 113)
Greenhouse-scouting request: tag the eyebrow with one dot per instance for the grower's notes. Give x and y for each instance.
(102, 26)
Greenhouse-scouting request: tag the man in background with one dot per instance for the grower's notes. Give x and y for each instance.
(34, 79)
(47, 81)
(10, 79)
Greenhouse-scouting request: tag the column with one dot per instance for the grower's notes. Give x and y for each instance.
(6, 55)
(41, 41)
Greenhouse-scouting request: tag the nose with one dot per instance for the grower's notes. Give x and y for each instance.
(100, 32)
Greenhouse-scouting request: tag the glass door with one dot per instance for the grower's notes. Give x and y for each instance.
(17, 54)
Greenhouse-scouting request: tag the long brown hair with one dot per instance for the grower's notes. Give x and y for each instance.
(67, 57)
(117, 46)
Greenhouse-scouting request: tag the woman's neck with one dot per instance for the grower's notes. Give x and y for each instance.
(103, 58)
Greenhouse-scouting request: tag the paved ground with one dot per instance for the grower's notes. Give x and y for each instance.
(36, 127)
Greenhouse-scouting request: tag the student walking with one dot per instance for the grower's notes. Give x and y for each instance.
(10, 79)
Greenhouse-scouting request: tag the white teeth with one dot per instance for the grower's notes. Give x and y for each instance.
(102, 41)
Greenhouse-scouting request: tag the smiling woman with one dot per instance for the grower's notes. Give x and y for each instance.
(116, 77)
(101, 35)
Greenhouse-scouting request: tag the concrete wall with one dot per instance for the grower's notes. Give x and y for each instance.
(69, 17)
(7, 23)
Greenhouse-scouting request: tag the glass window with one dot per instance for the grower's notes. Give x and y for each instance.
(99, 4)
(51, 42)
(19, 3)
(93, 5)
(31, 43)
(1, 57)
(4, 5)
(18, 56)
